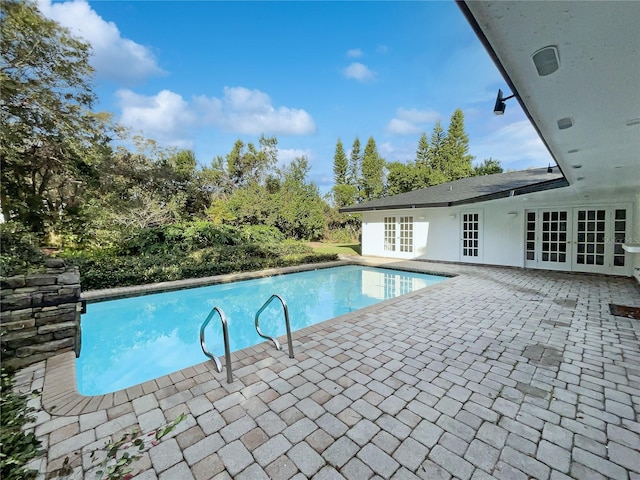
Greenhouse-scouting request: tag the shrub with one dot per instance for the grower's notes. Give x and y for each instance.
(101, 271)
(19, 252)
(262, 234)
(18, 447)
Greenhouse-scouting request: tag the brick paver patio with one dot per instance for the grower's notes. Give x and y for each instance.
(496, 373)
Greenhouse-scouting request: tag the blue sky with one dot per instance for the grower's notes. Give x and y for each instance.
(202, 74)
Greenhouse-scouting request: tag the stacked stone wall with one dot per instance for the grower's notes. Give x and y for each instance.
(40, 314)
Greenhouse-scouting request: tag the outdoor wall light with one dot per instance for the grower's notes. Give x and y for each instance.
(499, 107)
(546, 60)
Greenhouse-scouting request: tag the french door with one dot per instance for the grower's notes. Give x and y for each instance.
(583, 239)
(398, 234)
(471, 233)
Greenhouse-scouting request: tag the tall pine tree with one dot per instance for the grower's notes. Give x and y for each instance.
(372, 172)
(344, 192)
(340, 164)
(354, 163)
(458, 161)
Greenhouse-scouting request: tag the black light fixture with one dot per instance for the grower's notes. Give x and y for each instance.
(499, 107)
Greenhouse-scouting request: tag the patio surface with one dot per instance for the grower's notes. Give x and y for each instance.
(496, 373)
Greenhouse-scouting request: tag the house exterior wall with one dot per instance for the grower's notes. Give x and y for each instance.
(634, 238)
(438, 231)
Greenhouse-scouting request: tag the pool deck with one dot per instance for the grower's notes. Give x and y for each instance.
(495, 373)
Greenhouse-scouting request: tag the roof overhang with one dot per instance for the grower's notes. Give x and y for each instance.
(595, 86)
(511, 192)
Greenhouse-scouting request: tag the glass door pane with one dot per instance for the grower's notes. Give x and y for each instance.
(555, 237)
(590, 237)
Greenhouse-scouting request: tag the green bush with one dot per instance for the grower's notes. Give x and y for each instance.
(19, 252)
(17, 447)
(262, 234)
(103, 271)
(183, 237)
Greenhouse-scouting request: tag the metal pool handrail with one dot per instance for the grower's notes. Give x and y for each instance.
(286, 320)
(225, 334)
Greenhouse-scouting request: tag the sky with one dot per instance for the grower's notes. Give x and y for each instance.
(200, 75)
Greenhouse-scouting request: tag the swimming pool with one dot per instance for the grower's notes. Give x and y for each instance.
(129, 341)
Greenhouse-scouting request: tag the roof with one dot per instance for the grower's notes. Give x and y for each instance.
(587, 111)
(469, 190)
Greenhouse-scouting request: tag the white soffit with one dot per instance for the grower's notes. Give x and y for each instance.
(597, 84)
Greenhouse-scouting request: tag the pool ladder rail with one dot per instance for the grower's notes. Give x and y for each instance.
(285, 308)
(225, 334)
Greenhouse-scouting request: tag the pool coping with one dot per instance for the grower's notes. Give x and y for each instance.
(60, 395)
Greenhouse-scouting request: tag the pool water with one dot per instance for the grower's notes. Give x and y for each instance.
(129, 341)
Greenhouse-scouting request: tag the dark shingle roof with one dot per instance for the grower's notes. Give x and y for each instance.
(469, 190)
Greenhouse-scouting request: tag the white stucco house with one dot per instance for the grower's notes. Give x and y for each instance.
(574, 67)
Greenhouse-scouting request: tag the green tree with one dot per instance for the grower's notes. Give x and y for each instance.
(354, 163)
(340, 165)
(245, 164)
(343, 191)
(436, 153)
(49, 137)
(299, 209)
(458, 161)
(403, 177)
(372, 171)
(488, 167)
(422, 153)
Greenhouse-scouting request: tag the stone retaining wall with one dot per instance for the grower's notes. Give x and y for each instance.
(40, 314)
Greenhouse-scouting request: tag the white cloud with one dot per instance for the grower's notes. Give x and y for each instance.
(355, 53)
(164, 117)
(168, 117)
(359, 72)
(411, 122)
(397, 152)
(287, 155)
(247, 111)
(516, 145)
(402, 127)
(113, 57)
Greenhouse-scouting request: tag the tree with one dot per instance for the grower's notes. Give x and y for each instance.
(458, 161)
(340, 165)
(402, 178)
(245, 164)
(372, 172)
(354, 163)
(488, 167)
(422, 153)
(49, 138)
(299, 209)
(436, 154)
(343, 191)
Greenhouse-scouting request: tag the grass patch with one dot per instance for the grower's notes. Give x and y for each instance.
(353, 249)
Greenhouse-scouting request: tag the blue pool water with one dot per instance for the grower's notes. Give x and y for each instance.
(129, 341)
